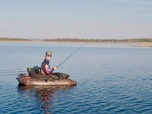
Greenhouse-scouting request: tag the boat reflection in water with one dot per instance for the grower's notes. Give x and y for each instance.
(42, 96)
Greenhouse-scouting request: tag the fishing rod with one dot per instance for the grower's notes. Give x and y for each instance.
(70, 55)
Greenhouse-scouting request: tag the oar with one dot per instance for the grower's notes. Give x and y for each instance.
(71, 55)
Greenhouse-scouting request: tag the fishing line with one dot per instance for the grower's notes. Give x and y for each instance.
(71, 55)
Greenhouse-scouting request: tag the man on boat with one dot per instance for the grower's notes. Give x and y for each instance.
(45, 67)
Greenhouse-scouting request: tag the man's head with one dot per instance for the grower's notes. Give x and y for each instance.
(48, 55)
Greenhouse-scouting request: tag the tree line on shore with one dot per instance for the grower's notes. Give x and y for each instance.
(82, 40)
(99, 40)
(13, 39)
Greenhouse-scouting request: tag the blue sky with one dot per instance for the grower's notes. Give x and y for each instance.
(90, 19)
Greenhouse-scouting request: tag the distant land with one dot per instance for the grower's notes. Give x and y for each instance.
(99, 40)
(147, 42)
(13, 39)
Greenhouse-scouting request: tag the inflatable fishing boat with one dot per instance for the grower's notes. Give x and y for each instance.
(54, 79)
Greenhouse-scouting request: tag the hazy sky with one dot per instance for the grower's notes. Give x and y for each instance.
(99, 19)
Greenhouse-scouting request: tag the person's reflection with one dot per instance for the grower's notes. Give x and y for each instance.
(44, 94)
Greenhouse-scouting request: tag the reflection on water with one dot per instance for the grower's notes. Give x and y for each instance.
(45, 95)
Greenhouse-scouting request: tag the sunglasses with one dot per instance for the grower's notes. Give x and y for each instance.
(49, 55)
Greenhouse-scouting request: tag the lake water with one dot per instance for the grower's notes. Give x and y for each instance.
(111, 79)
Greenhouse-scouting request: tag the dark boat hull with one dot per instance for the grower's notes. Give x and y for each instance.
(51, 81)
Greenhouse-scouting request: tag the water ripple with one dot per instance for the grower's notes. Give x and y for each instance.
(110, 80)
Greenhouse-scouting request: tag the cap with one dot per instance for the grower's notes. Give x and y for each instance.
(48, 53)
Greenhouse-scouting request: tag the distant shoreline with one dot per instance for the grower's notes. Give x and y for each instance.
(14, 40)
(143, 42)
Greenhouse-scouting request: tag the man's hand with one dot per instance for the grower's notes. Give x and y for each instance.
(55, 67)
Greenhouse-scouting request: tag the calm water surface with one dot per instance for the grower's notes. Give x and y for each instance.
(111, 79)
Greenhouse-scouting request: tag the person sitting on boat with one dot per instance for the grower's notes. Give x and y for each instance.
(45, 67)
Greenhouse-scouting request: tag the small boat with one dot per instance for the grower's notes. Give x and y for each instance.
(55, 79)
